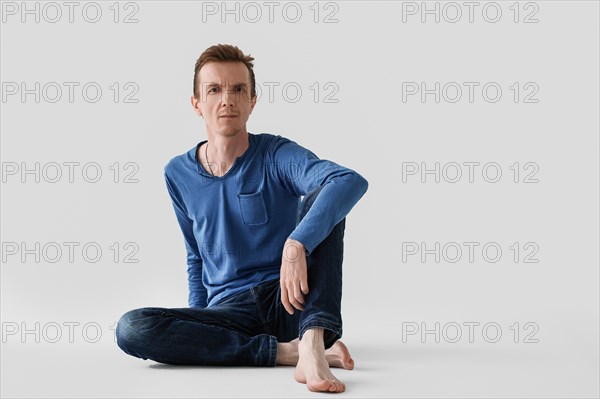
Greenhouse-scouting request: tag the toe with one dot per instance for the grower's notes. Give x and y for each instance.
(333, 387)
(321, 386)
(351, 364)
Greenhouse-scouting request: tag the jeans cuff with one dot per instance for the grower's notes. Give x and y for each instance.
(335, 332)
(272, 350)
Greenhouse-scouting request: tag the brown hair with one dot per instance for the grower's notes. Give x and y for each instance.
(224, 53)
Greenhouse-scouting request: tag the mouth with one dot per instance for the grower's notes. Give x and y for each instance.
(228, 116)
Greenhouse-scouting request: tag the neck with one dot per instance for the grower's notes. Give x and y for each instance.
(223, 151)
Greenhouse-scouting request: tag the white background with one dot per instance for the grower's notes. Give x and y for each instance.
(368, 55)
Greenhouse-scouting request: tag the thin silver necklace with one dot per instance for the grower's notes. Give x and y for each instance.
(206, 156)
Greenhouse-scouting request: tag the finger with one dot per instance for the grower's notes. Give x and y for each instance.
(298, 296)
(295, 303)
(298, 305)
(304, 285)
(284, 300)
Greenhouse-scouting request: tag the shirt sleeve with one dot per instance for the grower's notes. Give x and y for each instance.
(300, 171)
(197, 291)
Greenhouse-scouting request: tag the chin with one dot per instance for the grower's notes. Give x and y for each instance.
(230, 132)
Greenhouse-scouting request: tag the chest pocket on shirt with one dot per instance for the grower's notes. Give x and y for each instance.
(253, 209)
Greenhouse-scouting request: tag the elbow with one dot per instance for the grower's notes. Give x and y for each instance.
(197, 299)
(361, 183)
(195, 303)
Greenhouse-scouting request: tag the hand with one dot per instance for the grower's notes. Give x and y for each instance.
(293, 276)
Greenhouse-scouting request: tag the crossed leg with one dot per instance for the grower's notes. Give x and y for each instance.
(232, 333)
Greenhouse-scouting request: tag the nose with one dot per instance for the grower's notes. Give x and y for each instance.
(229, 97)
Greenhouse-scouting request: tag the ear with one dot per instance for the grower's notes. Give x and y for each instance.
(253, 103)
(196, 105)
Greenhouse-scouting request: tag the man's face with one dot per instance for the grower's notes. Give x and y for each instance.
(224, 89)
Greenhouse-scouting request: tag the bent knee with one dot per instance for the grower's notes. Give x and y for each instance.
(132, 325)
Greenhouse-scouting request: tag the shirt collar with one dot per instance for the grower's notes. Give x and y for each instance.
(194, 152)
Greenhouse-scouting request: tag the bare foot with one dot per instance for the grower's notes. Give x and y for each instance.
(337, 356)
(313, 369)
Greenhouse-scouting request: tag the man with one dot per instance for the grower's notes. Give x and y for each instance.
(264, 269)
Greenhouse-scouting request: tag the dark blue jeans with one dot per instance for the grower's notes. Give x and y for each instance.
(243, 329)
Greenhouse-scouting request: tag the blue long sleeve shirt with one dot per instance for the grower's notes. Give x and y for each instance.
(235, 225)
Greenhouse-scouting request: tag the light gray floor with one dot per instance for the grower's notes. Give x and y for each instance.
(384, 368)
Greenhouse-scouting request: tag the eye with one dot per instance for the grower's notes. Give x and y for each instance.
(240, 89)
(211, 89)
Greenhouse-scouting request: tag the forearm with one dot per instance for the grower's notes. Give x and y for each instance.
(198, 294)
(333, 203)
